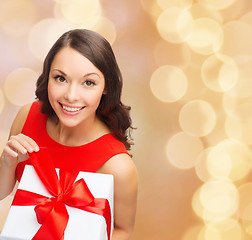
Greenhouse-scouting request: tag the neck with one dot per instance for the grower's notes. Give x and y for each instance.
(80, 134)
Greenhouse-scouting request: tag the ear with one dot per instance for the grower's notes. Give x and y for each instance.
(104, 91)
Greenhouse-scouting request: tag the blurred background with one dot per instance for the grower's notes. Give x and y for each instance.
(187, 68)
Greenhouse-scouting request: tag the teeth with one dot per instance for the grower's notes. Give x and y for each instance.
(69, 109)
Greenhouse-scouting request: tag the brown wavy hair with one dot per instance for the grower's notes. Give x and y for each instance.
(98, 50)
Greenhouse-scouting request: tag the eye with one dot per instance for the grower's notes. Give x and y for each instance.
(89, 83)
(59, 78)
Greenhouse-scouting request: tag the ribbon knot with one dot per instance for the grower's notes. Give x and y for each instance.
(51, 212)
(60, 197)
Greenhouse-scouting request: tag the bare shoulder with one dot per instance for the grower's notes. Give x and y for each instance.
(19, 120)
(125, 174)
(122, 167)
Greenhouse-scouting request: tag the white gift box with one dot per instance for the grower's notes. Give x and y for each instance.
(21, 223)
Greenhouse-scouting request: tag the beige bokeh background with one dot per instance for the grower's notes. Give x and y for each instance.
(187, 68)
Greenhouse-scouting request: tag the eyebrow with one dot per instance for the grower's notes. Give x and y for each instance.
(86, 75)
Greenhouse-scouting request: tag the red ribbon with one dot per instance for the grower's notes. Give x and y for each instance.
(51, 212)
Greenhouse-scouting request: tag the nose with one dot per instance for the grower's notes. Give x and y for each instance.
(71, 94)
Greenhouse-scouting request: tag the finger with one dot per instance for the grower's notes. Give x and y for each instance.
(18, 145)
(31, 142)
(14, 157)
(23, 143)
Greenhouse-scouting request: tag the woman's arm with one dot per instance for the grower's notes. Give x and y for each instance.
(125, 194)
(15, 151)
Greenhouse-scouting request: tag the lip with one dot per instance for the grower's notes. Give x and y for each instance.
(70, 106)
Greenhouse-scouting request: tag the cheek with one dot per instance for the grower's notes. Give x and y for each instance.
(93, 99)
(53, 93)
(50, 91)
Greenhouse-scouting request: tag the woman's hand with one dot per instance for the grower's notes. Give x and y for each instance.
(18, 148)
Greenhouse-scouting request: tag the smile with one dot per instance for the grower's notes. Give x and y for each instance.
(71, 109)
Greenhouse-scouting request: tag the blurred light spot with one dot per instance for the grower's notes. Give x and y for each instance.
(234, 11)
(219, 197)
(166, 53)
(16, 17)
(193, 232)
(237, 102)
(240, 129)
(44, 34)
(202, 234)
(238, 108)
(197, 205)
(224, 225)
(245, 206)
(58, 15)
(247, 18)
(224, 230)
(85, 12)
(246, 217)
(164, 4)
(152, 8)
(2, 101)
(217, 4)
(218, 163)
(219, 73)
(213, 162)
(200, 11)
(105, 28)
(207, 36)
(201, 165)
(233, 32)
(249, 229)
(168, 83)
(197, 118)
(215, 216)
(240, 155)
(19, 86)
(175, 25)
(242, 88)
(182, 150)
(245, 200)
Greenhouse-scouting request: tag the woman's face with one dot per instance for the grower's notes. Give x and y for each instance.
(75, 87)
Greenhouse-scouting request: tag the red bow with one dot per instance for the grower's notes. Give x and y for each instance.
(52, 212)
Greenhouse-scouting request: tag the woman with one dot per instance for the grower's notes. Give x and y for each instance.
(80, 120)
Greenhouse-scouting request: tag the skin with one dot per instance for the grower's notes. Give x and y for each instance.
(76, 83)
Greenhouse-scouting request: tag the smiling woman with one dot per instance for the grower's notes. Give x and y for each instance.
(75, 90)
(79, 120)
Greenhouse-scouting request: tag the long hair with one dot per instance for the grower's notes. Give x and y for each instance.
(98, 50)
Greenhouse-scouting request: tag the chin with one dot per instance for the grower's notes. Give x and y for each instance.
(70, 124)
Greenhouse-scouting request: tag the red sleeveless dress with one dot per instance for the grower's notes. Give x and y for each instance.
(88, 158)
